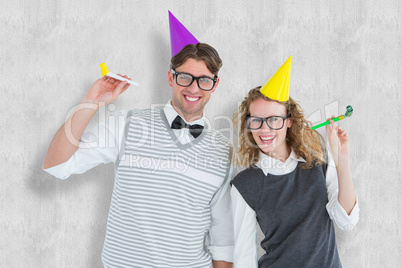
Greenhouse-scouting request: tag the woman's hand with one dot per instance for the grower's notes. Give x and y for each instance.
(338, 140)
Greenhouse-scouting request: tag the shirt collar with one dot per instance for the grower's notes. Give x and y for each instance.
(294, 156)
(171, 114)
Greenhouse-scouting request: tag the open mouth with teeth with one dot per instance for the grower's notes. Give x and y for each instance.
(190, 99)
(267, 139)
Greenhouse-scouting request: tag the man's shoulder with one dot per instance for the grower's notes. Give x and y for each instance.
(148, 112)
(219, 138)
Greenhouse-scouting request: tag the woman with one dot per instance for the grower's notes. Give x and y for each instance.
(289, 187)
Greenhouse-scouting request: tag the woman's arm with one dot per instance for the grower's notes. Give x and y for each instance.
(245, 232)
(339, 143)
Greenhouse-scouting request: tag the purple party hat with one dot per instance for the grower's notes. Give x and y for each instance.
(179, 35)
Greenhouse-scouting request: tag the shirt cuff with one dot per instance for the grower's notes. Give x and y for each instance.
(344, 221)
(221, 253)
(61, 171)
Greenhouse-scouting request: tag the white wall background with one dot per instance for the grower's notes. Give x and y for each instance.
(344, 52)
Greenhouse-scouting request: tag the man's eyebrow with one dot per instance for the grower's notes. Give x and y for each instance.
(203, 75)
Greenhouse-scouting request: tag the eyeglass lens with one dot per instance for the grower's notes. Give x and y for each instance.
(274, 122)
(185, 80)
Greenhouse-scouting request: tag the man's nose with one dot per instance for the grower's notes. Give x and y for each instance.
(194, 87)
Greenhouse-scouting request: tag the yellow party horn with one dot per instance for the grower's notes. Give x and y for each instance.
(106, 72)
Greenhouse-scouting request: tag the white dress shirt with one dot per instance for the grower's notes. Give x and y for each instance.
(105, 141)
(245, 221)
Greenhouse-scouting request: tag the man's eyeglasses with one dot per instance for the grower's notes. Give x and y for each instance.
(203, 82)
(273, 122)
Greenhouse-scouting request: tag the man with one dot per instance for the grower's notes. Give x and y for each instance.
(172, 176)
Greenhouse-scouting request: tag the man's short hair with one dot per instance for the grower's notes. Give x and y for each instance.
(200, 51)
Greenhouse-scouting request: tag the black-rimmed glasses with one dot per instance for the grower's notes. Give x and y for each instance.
(203, 82)
(273, 122)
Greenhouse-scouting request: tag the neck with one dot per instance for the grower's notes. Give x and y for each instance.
(281, 156)
(187, 117)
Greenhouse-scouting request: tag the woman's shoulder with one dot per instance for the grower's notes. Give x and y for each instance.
(249, 183)
(246, 177)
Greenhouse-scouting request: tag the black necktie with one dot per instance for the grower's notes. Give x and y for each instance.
(179, 123)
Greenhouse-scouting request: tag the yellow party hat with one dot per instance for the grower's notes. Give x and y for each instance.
(277, 87)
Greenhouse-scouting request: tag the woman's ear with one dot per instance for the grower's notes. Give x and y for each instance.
(290, 123)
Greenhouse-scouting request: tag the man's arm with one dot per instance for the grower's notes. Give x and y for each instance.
(222, 264)
(221, 238)
(66, 140)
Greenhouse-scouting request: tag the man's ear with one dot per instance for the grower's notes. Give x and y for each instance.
(170, 78)
(216, 84)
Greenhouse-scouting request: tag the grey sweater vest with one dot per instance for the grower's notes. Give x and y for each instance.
(291, 212)
(160, 208)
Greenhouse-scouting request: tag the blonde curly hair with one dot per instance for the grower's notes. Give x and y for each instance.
(305, 142)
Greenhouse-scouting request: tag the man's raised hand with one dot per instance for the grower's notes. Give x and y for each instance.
(106, 90)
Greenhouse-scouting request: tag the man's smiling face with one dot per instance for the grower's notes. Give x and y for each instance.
(189, 101)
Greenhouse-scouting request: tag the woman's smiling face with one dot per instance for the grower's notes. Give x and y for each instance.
(271, 142)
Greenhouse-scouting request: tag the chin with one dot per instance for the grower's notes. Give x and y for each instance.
(193, 110)
(266, 149)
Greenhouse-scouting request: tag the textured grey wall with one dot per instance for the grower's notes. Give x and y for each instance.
(344, 52)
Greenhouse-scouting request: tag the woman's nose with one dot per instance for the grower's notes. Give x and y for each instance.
(265, 126)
